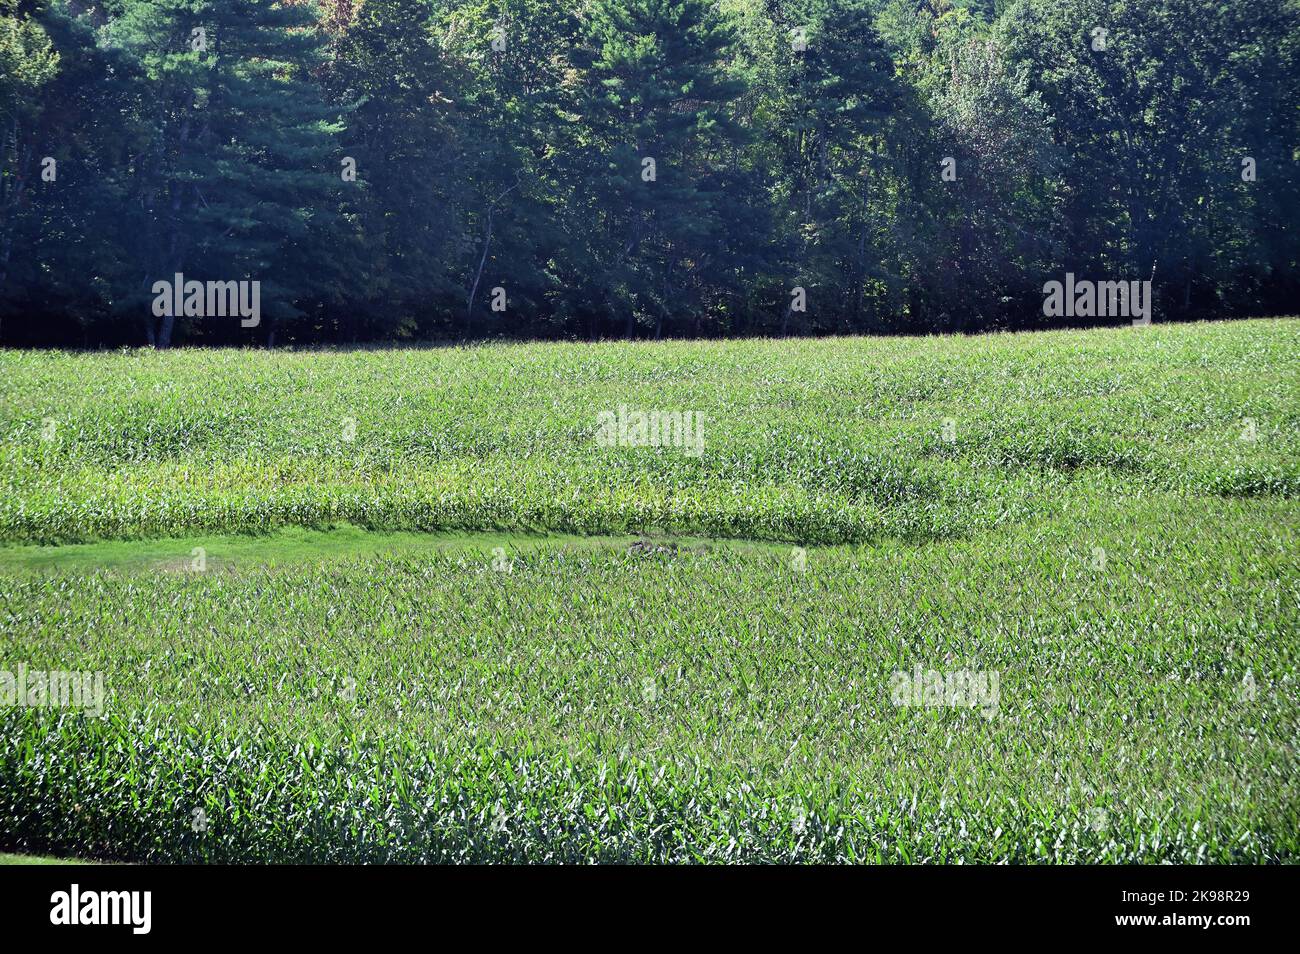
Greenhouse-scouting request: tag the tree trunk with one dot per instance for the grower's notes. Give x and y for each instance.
(6, 246)
(487, 242)
(165, 327)
(473, 292)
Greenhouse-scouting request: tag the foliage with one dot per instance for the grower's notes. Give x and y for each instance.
(663, 703)
(830, 441)
(499, 149)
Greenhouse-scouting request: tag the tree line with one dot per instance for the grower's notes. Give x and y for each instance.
(399, 170)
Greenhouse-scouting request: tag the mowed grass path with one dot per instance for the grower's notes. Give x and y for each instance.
(1100, 536)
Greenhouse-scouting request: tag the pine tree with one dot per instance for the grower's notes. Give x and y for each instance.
(241, 177)
(28, 62)
(66, 108)
(517, 113)
(660, 139)
(403, 135)
(833, 123)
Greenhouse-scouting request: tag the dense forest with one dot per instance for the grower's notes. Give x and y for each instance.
(404, 170)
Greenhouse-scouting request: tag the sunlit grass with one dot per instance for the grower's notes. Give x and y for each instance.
(1099, 534)
(829, 441)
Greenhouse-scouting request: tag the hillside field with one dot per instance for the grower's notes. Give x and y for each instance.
(405, 605)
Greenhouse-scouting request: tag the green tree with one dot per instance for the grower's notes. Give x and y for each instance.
(240, 178)
(521, 224)
(404, 135)
(28, 62)
(69, 121)
(991, 183)
(830, 130)
(1157, 106)
(661, 147)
